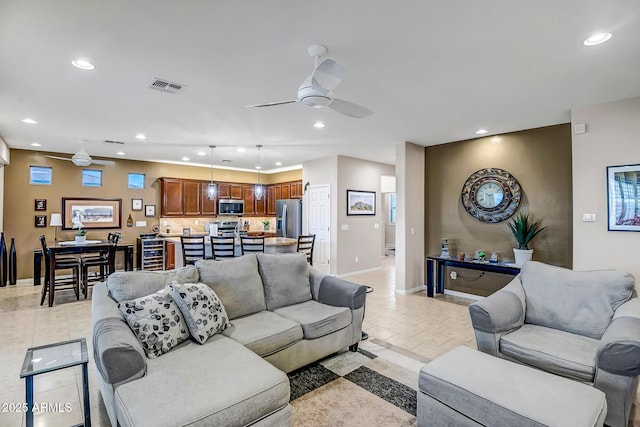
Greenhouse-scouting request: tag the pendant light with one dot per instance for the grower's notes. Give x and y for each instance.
(212, 189)
(258, 190)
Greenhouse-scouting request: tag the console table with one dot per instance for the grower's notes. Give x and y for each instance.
(435, 265)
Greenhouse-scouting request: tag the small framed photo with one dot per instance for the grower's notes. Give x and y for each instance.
(361, 202)
(136, 204)
(40, 204)
(149, 210)
(623, 196)
(40, 221)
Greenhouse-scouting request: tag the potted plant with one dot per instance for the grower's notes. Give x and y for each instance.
(81, 234)
(266, 224)
(524, 231)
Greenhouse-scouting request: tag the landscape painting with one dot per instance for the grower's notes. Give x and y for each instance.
(361, 202)
(91, 213)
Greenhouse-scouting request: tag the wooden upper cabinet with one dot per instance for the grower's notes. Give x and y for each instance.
(236, 191)
(286, 190)
(296, 190)
(209, 207)
(247, 196)
(260, 206)
(192, 205)
(224, 190)
(172, 197)
(271, 200)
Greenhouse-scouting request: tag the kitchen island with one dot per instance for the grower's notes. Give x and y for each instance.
(272, 245)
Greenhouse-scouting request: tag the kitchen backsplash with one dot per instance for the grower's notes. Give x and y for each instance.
(198, 225)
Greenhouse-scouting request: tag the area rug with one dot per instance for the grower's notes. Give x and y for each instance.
(375, 386)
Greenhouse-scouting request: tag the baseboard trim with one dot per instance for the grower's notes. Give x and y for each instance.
(463, 295)
(410, 291)
(354, 273)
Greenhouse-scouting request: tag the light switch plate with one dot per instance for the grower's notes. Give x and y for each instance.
(376, 225)
(141, 223)
(590, 217)
(344, 227)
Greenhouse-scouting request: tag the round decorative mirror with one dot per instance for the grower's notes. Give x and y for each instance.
(491, 195)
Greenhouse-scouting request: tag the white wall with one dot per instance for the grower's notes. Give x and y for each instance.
(410, 217)
(612, 138)
(364, 238)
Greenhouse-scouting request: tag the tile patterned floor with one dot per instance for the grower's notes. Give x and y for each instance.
(426, 326)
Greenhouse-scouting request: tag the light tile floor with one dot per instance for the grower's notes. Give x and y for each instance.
(427, 326)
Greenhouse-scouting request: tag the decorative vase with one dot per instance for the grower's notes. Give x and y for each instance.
(81, 239)
(522, 255)
(13, 263)
(3, 261)
(266, 227)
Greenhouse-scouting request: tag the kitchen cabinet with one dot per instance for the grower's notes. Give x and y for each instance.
(180, 197)
(209, 206)
(286, 190)
(296, 190)
(274, 192)
(169, 255)
(228, 190)
(253, 207)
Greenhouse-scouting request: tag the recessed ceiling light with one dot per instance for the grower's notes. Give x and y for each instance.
(35, 144)
(278, 163)
(29, 120)
(241, 150)
(185, 159)
(597, 38)
(83, 64)
(481, 131)
(120, 153)
(141, 136)
(258, 167)
(201, 153)
(318, 125)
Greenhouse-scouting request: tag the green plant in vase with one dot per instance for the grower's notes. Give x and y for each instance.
(266, 223)
(524, 231)
(81, 234)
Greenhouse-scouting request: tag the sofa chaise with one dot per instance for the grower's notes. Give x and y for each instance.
(283, 314)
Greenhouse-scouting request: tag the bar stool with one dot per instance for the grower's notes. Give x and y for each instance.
(223, 247)
(252, 244)
(305, 245)
(105, 261)
(62, 283)
(192, 249)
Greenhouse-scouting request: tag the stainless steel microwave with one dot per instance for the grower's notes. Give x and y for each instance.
(230, 207)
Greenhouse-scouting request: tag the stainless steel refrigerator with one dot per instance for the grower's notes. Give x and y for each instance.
(289, 218)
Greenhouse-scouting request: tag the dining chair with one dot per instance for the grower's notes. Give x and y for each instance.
(106, 261)
(192, 249)
(305, 245)
(251, 244)
(63, 282)
(223, 247)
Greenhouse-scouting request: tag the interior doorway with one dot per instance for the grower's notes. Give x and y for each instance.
(319, 221)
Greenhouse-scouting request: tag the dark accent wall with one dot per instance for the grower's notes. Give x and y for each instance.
(540, 159)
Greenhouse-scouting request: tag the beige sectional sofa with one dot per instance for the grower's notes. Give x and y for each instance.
(283, 315)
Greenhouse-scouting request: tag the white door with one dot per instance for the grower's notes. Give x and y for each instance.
(319, 220)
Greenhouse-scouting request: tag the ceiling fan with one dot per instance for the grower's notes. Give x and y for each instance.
(317, 89)
(82, 158)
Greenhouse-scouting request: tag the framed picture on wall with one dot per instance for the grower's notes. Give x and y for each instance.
(40, 204)
(40, 221)
(91, 213)
(623, 198)
(149, 210)
(136, 204)
(361, 202)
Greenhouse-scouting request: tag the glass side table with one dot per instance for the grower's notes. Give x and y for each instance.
(52, 357)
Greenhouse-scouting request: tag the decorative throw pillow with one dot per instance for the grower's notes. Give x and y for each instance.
(156, 321)
(202, 310)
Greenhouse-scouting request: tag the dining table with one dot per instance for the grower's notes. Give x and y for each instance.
(73, 247)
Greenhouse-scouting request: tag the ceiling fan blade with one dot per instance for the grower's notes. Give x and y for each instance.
(58, 158)
(350, 109)
(328, 74)
(271, 104)
(103, 162)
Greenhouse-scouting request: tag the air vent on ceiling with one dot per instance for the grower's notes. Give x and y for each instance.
(166, 86)
(108, 141)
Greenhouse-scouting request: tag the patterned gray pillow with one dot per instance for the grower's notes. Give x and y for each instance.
(156, 321)
(202, 310)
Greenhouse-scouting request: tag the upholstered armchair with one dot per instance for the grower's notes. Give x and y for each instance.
(581, 325)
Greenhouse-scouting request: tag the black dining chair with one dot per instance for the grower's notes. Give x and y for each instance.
(105, 261)
(192, 249)
(64, 282)
(252, 244)
(305, 245)
(223, 247)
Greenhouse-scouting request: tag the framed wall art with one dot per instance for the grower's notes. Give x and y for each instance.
(623, 198)
(149, 210)
(40, 221)
(361, 202)
(136, 204)
(40, 204)
(92, 213)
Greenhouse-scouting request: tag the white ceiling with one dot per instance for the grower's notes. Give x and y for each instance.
(433, 72)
